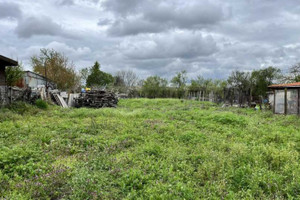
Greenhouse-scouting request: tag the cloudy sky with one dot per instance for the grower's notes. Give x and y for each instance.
(156, 37)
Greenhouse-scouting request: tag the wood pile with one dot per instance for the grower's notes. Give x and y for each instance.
(96, 99)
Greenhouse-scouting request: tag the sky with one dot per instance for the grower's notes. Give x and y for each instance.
(210, 38)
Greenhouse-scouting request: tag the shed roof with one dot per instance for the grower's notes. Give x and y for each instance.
(287, 85)
(4, 61)
(41, 76)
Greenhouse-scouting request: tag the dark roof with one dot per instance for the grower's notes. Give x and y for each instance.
(287, 85)
(4, 61)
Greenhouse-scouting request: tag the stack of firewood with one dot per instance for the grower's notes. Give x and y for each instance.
(96, 99)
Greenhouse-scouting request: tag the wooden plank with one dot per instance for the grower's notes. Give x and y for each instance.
(298, 103)
(274, 102)
(60, 101)
(285, 101)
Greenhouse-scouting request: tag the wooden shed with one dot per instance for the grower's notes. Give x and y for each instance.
(285, 98)
(5, 62)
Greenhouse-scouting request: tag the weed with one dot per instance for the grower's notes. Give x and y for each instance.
(41, 104)
(148, 149)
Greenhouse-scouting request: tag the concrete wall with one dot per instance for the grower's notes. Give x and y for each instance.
(3, 95)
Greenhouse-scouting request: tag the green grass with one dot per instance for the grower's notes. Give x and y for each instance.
(149, 149)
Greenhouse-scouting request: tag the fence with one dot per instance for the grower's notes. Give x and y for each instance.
(3, 95)
(10, 94)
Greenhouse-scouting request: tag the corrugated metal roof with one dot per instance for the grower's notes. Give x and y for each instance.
(297, 84)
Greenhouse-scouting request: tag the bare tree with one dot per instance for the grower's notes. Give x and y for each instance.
(293, 75)
(129, 78)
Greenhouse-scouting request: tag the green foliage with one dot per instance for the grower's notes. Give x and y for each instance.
(98, 78)
(57, 68)
(154, 87)
(13, 74)
(240, 80)
(206, 86)
(179, 81)
(262, 78)
(41, 104)
(149, 149)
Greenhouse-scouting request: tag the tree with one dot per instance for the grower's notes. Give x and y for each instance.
(261, 79)
(129, 78)
(240, 81)
(154, 86)
(57, 68)
(84, 73)
(206, 86)
(179, 81)
(98, 78)
(13, 74)
(293, 75)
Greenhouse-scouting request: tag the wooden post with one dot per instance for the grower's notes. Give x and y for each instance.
(285, 101)
(298, 102)
(274, 102)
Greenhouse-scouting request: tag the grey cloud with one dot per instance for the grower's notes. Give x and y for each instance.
(42, 25)
(121, 7)
(72, 52)
(185, 16)
(74, 2)
(134, 27)
(205, 37)
(152, 17)
(65, 2)
(104, 22)
(170, 45)
(10, 10)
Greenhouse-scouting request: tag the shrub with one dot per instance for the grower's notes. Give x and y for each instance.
(41, 104)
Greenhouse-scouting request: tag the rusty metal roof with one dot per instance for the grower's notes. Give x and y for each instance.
(287, 85)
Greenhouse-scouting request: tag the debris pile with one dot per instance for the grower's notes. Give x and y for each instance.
(96, 99)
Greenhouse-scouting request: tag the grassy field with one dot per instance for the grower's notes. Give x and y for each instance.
(149, 149)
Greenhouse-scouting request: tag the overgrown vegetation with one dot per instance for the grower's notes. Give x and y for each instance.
(13, 74)
(149, 149)
(41, 104)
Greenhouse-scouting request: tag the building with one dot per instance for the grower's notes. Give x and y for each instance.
(4, 62)
(34, 80)
(285, 98)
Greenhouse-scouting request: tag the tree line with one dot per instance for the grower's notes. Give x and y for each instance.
(240, 86)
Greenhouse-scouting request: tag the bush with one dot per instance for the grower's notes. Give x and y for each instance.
(41, 104)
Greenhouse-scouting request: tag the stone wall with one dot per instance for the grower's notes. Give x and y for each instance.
(3, 95)
(10, 94)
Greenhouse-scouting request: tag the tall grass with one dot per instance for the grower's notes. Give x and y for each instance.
(149, 149)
